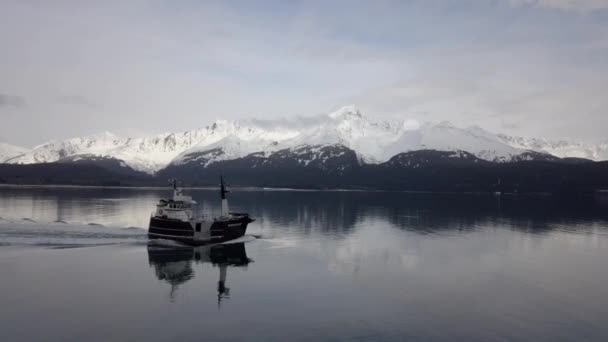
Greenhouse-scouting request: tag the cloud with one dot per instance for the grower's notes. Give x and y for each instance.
(128, 65)
(11, 101)
(510, 126)
(77, 100)
(487, 87)
(576, 5)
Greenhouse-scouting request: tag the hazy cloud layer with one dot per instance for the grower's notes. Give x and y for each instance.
(11, 100)
(578, 5)
(77, 100)
(530, 67)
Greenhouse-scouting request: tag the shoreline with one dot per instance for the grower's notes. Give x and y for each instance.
(273, 189)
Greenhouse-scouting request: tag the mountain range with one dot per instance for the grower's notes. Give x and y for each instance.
(303, 139)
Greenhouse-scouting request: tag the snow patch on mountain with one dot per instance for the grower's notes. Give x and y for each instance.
(330, 158)
(8, 151)
(55, 150)
(307, 154)
(228, 148)
(560, 148)
(421, 158)
(444, 136)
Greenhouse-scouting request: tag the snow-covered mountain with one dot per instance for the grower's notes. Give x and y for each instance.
(8, 151)
(150, 154)
(560, 148)
(373, 140)
(147, 154)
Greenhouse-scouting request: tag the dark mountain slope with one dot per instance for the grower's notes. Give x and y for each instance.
(111, 164)
(304, 167)
(426, 170)
(66, 174)
(336, 166)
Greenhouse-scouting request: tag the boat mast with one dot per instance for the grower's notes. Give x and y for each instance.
(174, 181)
(223, 192)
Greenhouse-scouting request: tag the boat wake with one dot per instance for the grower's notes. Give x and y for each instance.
(61, 234)
(167, 243)
(176, 244)
(244, 238)
(27, 232)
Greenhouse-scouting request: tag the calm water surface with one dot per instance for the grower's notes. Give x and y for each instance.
(314, 266)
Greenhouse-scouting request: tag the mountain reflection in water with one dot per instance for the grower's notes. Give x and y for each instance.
(304, 214)
(330, 265)
(174, 265)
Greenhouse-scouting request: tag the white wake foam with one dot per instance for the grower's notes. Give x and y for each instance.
(244, 238)
(30, 232)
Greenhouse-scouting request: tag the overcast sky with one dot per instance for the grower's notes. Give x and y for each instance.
(526, 67)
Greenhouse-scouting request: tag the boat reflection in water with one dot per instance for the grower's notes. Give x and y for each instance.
(174, 265)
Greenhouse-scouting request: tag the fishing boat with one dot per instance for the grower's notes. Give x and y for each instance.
(174, 219)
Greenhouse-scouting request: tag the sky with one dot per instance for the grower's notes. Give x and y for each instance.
(523, 67)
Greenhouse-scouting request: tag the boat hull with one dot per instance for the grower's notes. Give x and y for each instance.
(184, 232)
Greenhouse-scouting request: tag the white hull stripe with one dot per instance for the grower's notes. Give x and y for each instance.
(184, 237)
(173, 236)
(180, 230)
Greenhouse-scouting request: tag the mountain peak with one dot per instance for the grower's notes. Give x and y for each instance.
(350, 111)
(105, 135)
